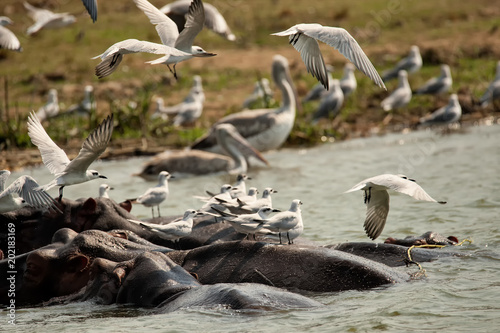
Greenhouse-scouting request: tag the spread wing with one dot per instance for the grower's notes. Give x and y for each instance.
(166, 28)
(91, 6)
(53, 157)
(195, 19)
(8, 40)
(376, 213)
(25, 187)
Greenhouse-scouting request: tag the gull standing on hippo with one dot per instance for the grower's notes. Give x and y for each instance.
(176, 46)
(68, 172)
(264, 129)
(377, 198)
(154, 196)
(304, 38)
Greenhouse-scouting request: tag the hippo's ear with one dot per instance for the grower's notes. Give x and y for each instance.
(77, 263)
(127, 205)
(90, 205)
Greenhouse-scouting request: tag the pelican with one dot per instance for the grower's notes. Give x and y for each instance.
(214, 20)
(22, 192)
(448, 114)
(68, 172)
(265, 129)
(330, 103)
(437, 85)
(91, 6)
(51, 108)
(377, 198)
(318, 90)
(45, 19)
(176, 46)
(190, 109)
(197, 162)
(304, 38)
(348, 82)
(261, 91)
(411, 64)
(8, 40)
(401, 96)
(493, 91)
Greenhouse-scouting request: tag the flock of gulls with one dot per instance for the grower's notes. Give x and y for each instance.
(232, 140)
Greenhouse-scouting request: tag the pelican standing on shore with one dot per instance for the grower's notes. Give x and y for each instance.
(264, 129)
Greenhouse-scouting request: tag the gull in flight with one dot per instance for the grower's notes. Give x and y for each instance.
(285, 221)
(68, 172)
(174, 230)
(304, 39)
(176, 46)
(437, 85)
(411, 64)
(51, 108)
(8, 40)
(377, 198)
(45, 19)
(154, 196)
(103, 190)
(91, 6)
(178, 11)
(448, 114)
(331, 102)
(493, 91)
(401, 96)
(22, 192)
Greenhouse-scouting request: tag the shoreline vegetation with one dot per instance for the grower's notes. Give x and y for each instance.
(465, 36)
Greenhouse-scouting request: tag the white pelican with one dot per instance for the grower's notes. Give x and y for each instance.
(68, 172)
(197, 162)
(22, 192)
(493, 91)
(154, 196)
(304, 39)
(411, 64)
(377, 198)
(331, 102)
(45, 19)
(51, 108)
(214, 20)
(401, 96)
(8, 40)
(265, 129)
(176, 46)
(437, 85)
(348, 82)
(448, 114)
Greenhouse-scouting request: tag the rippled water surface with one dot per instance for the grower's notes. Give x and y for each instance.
(458, 294)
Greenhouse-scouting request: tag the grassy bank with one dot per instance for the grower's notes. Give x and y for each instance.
(463, 34)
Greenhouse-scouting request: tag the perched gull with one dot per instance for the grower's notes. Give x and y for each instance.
(401, 96)
(265, 129)
(253, 206)
(251, 196)
(247, 224)
(178, 11)
(222, 197)
(448, 114)
(45, 19)
(292, 234)
(285, 221)
(377, 198)
(22, 192)
(154, 196)
(330, 103)
(240, 188)
(51, 108)
(174, 230)
(8, 40)
(261, 91)
(88, 104)
(198, 162)
(68, 172)
(493, 91)
(437, 85)
(91, 6)
(103, 190)
(318, 90)
(190, 109)
(160, 109)
(304, 39)
(176, 46)
(411, 64)
(348, 82)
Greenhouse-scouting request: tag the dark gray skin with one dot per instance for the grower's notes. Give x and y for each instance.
(153, 280)
(427, 238)
(290, 267)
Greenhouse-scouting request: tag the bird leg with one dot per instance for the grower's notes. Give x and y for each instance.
(288, 236)
(153, 212)
(158, 210)
(60, 193)
(279, 233)
(173, 71)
